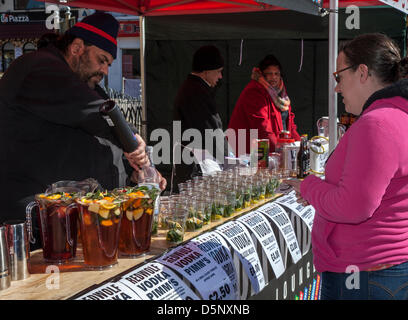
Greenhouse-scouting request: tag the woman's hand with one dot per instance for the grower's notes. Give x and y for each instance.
(296, 186)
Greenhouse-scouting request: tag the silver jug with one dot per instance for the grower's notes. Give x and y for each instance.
(4, 260)
(17, 239)
(323, 128)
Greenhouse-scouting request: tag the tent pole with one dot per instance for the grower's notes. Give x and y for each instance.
(333, 47)
(143, 76)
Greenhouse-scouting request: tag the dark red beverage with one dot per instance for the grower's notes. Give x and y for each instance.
(100, 234)
(135, 234)
(57, 219)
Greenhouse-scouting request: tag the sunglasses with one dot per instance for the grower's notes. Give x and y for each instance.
(336, 74)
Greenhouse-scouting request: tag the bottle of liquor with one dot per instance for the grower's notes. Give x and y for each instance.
(303, 158)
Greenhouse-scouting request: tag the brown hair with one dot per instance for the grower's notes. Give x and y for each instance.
(379, 53)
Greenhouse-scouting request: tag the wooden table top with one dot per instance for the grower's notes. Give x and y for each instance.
(73, 276)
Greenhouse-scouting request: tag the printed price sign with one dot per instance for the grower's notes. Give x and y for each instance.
(201, 270)
(279, 216)
(154, 281)
(240, 239)
(216, 247)
(110, 291)
(305, 213)
(259, 225)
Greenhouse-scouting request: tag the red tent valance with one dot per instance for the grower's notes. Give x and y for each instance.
(172, 7)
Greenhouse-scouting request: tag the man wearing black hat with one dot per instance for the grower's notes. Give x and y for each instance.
(195, 104)
(50, 125)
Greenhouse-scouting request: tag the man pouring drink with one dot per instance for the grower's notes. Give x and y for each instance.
(50, 125)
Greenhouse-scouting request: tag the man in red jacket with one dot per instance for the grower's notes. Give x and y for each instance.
(264, 105)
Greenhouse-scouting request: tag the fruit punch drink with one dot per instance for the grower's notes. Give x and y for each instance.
(100, 216)
(136, 226)
(57, 220)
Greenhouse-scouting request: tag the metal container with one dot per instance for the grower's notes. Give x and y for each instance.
(289, 158)
(4, 260)
(17, 239)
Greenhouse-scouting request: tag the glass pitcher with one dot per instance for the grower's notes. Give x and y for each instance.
(58, 218)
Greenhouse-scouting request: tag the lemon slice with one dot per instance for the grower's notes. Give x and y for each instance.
(54, 197)
(108, 205)
(94, 207)
(129, 215)
(137, 214)
(104, 213)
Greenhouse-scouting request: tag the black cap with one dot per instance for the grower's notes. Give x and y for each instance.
(207, 58)
(99, 29)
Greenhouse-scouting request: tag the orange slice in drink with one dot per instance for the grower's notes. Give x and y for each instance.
(137, 203)
(87, 219)
(126, 204)
(149, 211)
(42, 196)
(54, 197)
(106, 223)
(137, 214)
(110, 199)
(108, 205)
(137, 194)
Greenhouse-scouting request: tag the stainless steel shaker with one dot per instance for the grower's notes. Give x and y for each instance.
(17, 238)
(4, 260)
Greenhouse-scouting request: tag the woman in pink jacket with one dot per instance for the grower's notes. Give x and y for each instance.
(360, 230)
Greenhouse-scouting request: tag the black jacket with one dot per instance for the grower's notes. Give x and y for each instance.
(51, 130)
(196, 108)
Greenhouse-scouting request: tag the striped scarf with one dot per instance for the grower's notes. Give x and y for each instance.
(279, 96)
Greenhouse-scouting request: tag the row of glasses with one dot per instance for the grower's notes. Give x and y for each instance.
(206, 199)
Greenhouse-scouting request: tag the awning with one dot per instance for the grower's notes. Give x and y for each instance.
(23, 31)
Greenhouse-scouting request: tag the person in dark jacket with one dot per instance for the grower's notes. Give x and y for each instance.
(196, 108)
(50, 125)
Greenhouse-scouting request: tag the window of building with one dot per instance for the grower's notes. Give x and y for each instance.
(8, 55)
(28, 47)
(28, 5)
(131, 63)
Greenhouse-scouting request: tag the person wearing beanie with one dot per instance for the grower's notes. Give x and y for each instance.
(50, 125)
(195, 106)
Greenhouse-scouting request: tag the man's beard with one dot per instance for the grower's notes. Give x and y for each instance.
(82, 67)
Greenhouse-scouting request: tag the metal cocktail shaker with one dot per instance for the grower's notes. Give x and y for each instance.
(17, 239)
(4, 260)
